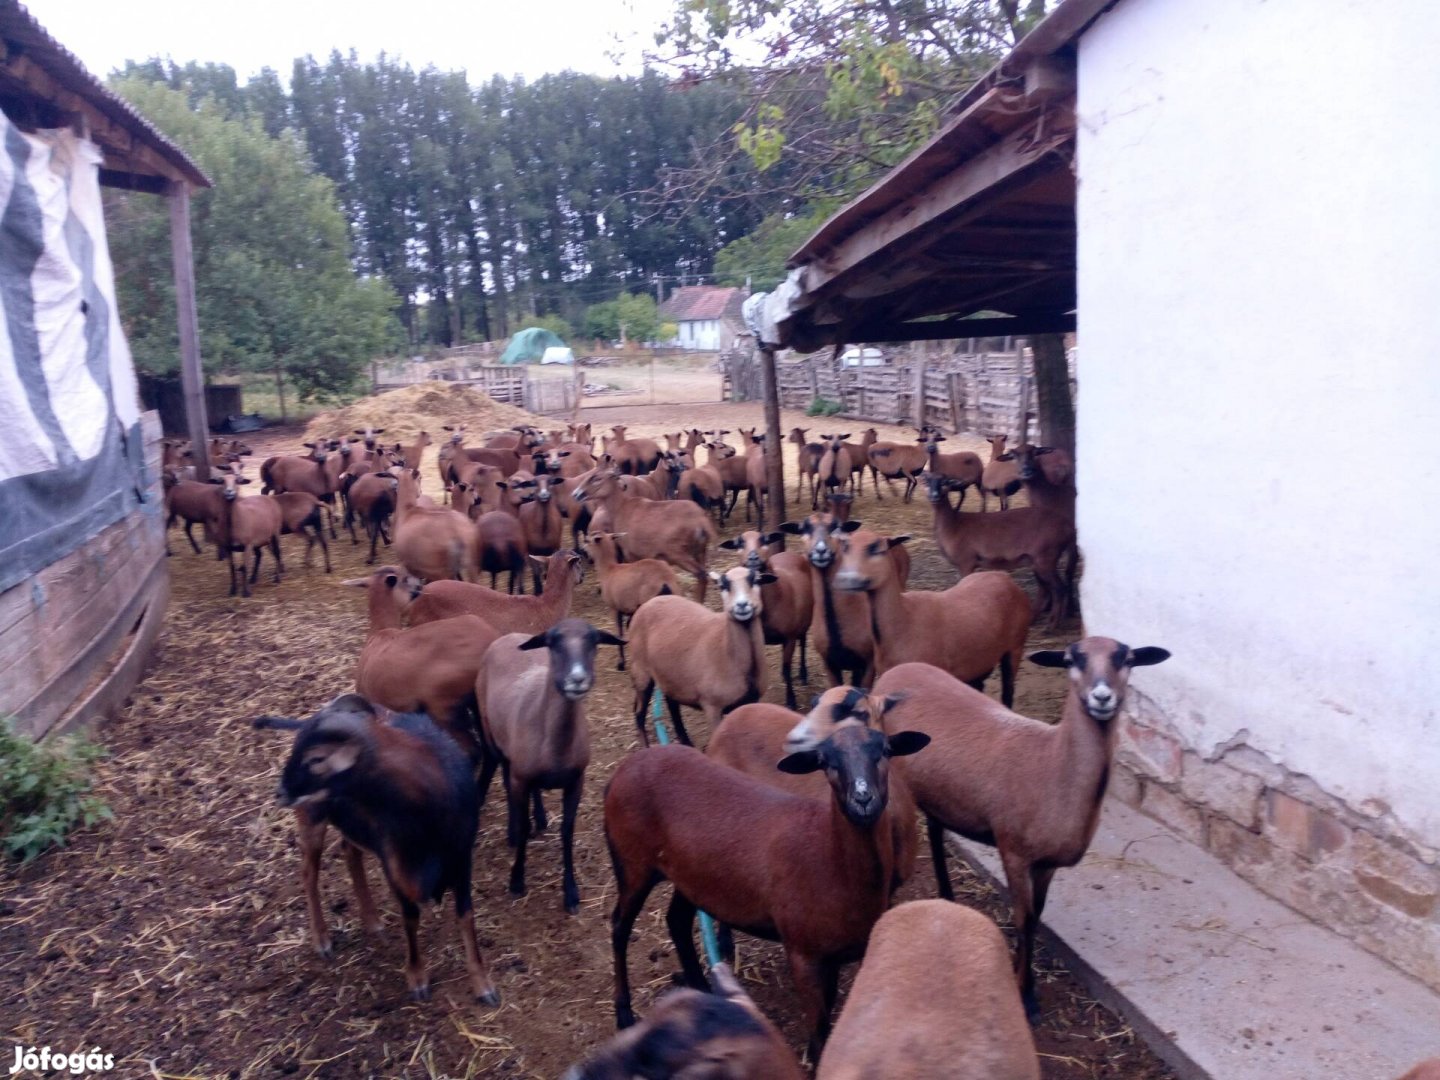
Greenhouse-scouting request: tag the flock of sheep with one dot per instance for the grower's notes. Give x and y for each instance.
(794, 827)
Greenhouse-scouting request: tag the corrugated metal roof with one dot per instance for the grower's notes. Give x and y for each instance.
(49, 71)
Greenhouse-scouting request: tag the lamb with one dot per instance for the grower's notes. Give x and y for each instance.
(507, 614)
(401, 791)
(500, 547)
(429, 668)
(625, 586)
(932, 1000)
(754, 737)
(710, 660)
(967, 630)
(300, 515)
(431, 542)
(788, 602)
(245, 525)
(1049, 478)
(839, 622)
(191, 502)
(634, 456)
(703, 484)
(835, 471)
(1028, 536)
(1031, 789)
(963, 468)
(896, 461)
(814, 875)
(532, 722)
(808, 455)
(756, 472)
(540, 522)
(732, 469)
(372, 500)
(1001, 475)
(678, 532)
(410, 455)
(691, 1034)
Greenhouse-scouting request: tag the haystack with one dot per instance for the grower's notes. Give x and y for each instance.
(427, 406)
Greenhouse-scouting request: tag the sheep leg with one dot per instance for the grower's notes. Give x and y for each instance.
(1007, 680)
(1019, 880)
(541, 821)
(279, 562)
(875, 480)
(725, 942)
(804, 666)
(311, 836)
(254, 573)
(937, 856)
(642, 706)
(230, 555)
(191, 536)
(329, 505)
(680, 920)
(324, 548)
(518, 799)
(481, 987)
(622, 921)
(620, 633)
(811, 986)
(537, 585)
(415, 976)
(570, 803)
(787, 655)
(489, 762)
(355, 864)
(512, 834)
(679, 724)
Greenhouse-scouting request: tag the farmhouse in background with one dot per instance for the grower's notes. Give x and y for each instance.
(1253, 285)
(708, 316)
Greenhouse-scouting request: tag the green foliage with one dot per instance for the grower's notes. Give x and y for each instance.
(761, 255)
(556, 324)
(45, 790)
(632, 316)
(273, 279)
(822, 406)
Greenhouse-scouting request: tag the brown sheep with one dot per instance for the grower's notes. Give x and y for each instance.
(788, 605)
(508, 614)
(1001, 476)
(934, 998)
(433, 543)
(678, 532)
(625, 586)
(245, 525)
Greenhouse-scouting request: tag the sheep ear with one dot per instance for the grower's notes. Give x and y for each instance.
(848, 526)
(604, 637)
(1147, 655)
(794, 528)
(539, 641)
(1050, 658)
(357, 582)
(766, 579)
(246, 480)
(905, 743)
(772, 538)
(799, 763)
(891, 700)
(734, 544)
(902, 538)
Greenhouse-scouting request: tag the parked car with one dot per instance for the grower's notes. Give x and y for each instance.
(866, 357)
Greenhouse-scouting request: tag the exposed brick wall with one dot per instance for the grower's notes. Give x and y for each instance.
(1349, 868)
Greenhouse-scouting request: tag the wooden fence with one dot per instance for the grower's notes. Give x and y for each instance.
(513, 384)
(989, 393)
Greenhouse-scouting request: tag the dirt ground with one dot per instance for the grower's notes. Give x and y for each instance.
(174, 937)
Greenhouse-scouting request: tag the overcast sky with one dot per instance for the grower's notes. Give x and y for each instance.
(484, 37)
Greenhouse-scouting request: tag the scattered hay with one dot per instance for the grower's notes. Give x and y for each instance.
(428, 406)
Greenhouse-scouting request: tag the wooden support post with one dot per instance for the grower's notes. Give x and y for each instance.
(917, 402)
(775, 456)
(1023, 426)
(192, 376)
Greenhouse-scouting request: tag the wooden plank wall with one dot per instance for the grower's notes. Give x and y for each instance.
(986, 393)
(61, 629)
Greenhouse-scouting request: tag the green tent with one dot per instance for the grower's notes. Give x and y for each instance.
(529, 345)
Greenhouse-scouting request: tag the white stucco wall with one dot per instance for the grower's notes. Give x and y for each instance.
(700, 334)
(1259, 404)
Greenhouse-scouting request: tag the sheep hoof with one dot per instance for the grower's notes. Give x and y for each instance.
(517, 888)
(490, 997)
(326, 948)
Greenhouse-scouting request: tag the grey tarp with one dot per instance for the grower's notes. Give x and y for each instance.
(71, 459)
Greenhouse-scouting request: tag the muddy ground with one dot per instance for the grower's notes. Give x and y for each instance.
(174, 936)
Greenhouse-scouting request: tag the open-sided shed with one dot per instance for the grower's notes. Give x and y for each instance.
(83, 583)
(1252, 279)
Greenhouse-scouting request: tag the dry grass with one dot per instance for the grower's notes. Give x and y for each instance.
(174, 937)
(428, 406)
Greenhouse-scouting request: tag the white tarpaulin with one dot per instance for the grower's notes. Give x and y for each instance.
(70, 451)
